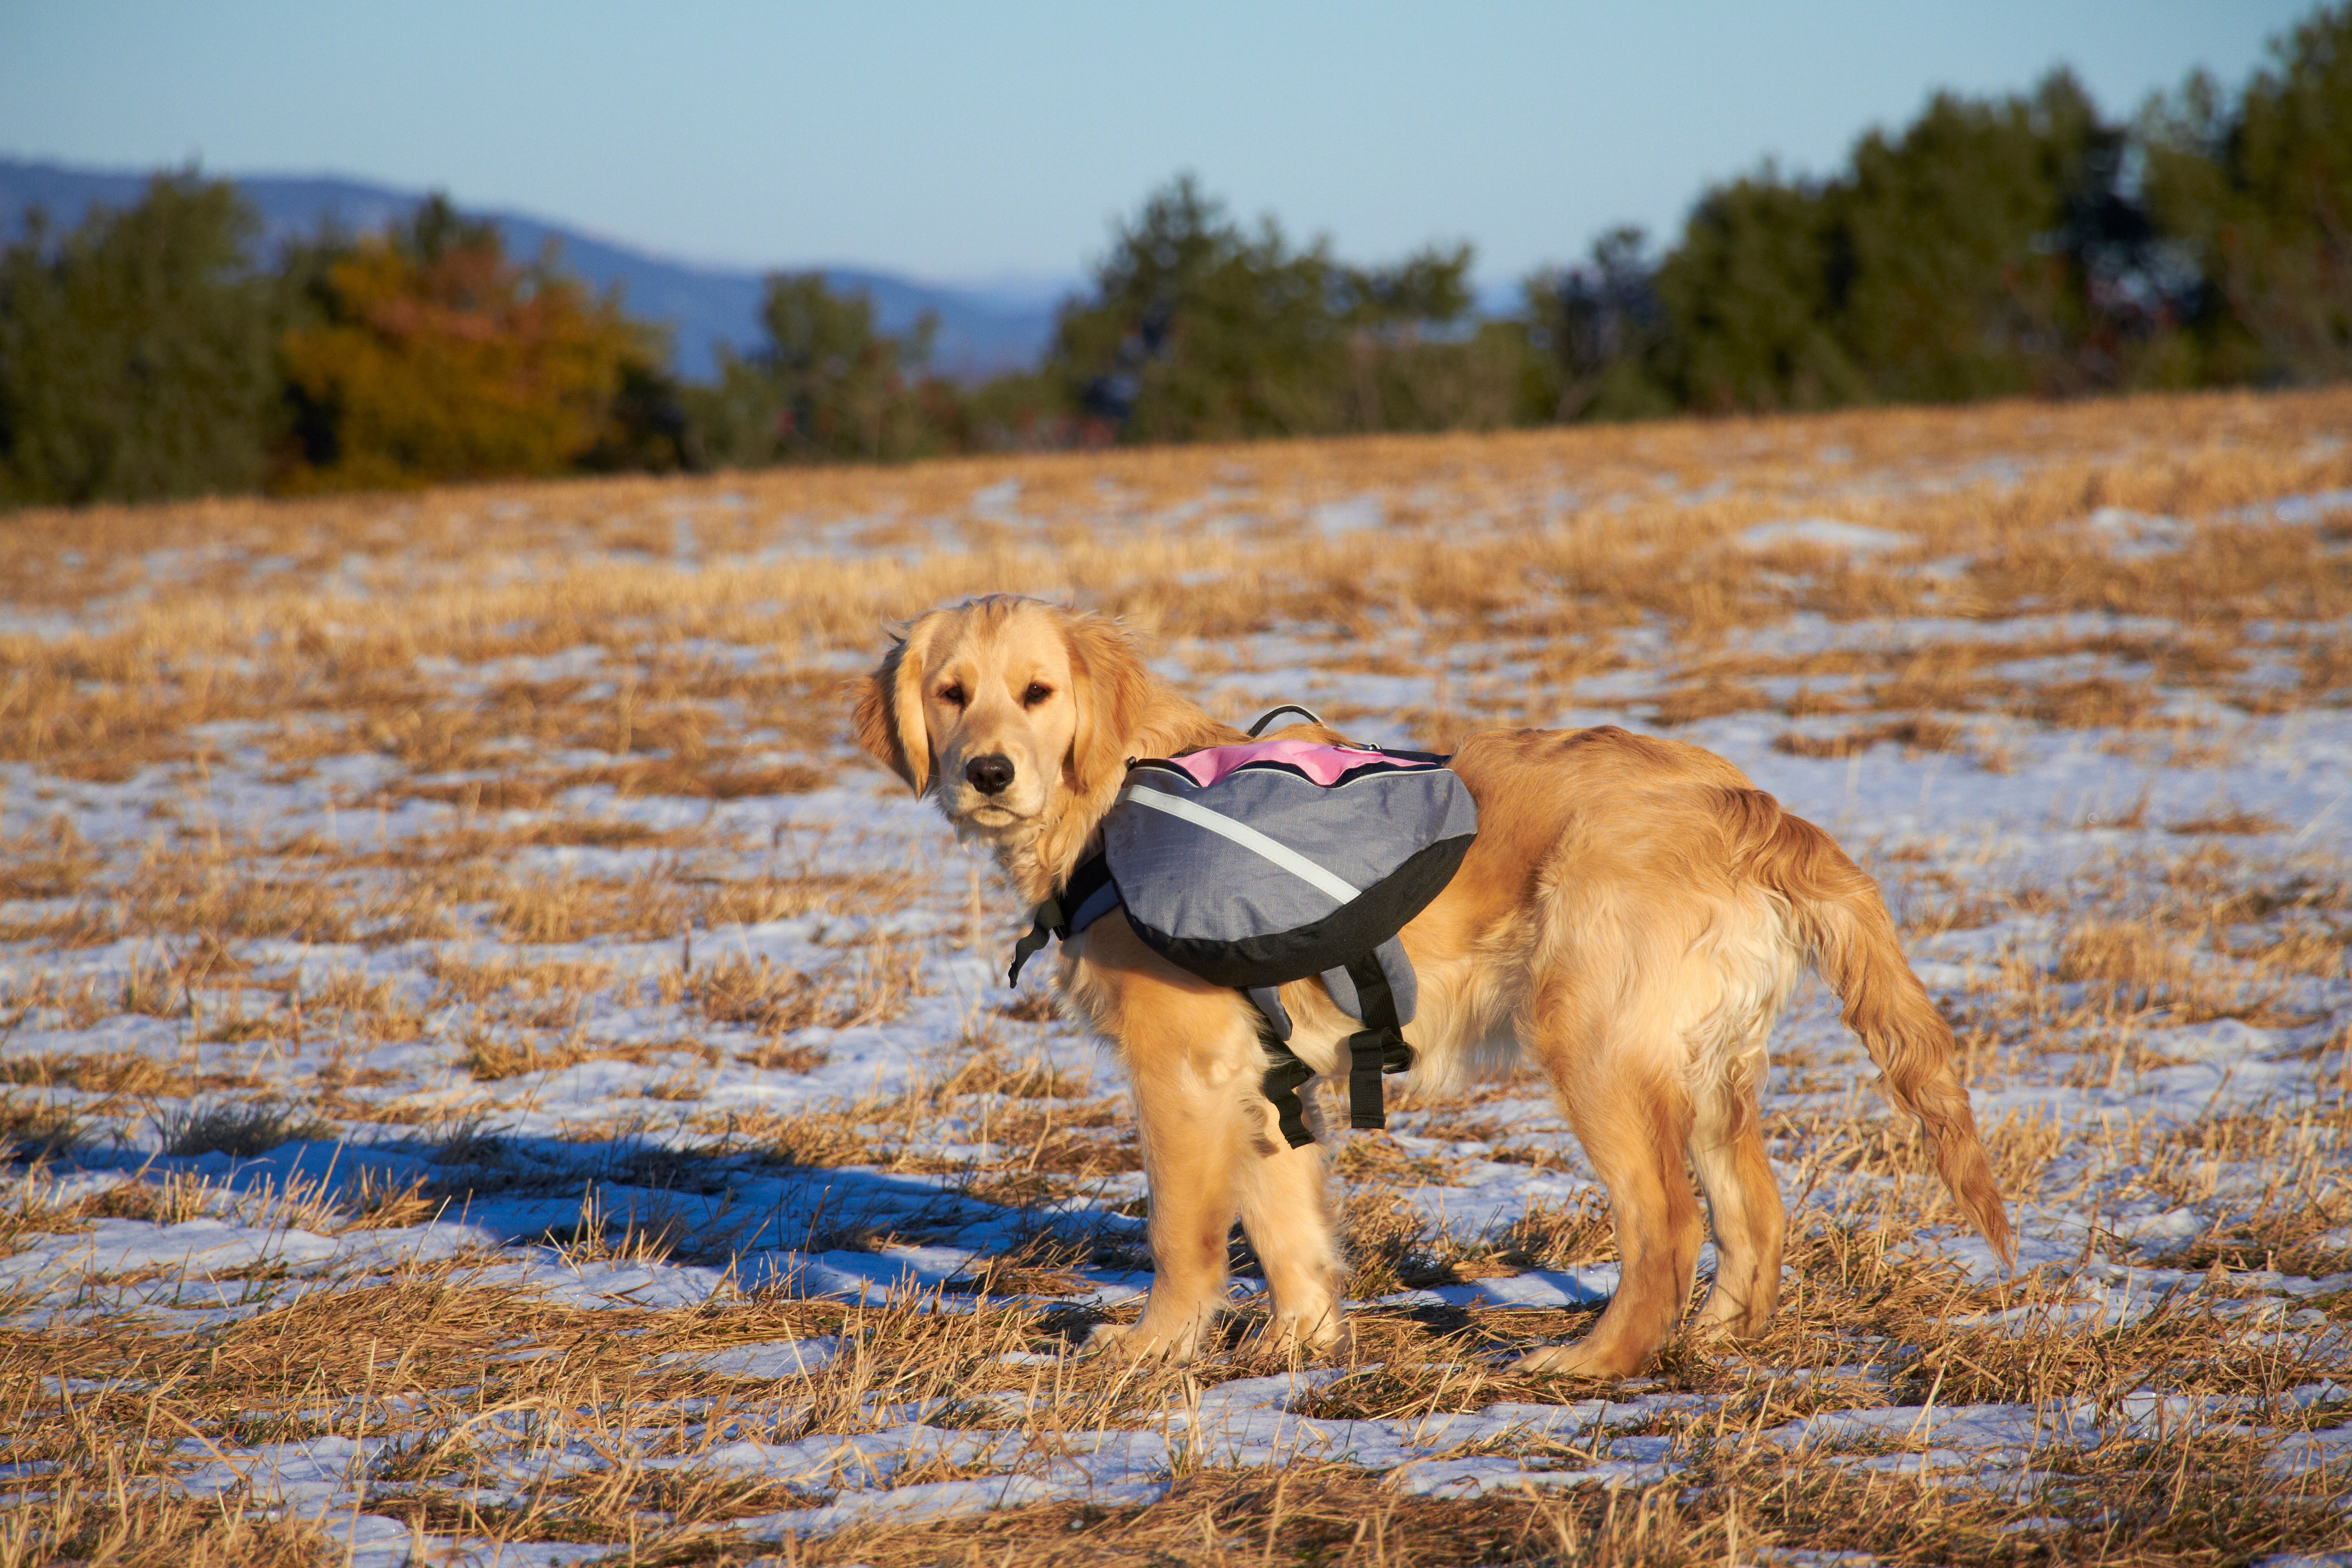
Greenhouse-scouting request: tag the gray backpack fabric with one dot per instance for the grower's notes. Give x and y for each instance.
(1255, 865)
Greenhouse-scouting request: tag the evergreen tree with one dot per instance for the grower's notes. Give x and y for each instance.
(1597, 331)
(1748, 296)
(827, 385)
(1950, 277)
(1200, 330)
(137, 353)
(2262, 192)
(1992, 248)
(845, 386)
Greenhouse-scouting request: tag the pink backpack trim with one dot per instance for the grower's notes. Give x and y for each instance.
(1325, 763)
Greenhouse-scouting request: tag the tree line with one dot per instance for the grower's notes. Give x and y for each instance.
(2023, 244)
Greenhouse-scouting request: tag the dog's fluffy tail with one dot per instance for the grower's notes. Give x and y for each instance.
(1844, 924)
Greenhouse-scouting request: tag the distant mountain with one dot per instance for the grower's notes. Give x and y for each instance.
(983, 330)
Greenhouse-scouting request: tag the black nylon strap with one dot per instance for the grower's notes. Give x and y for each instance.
(1051, 920)
(1366, 1105)
(1373, 1051)
(1283, 1081)
(1376, 1049)
(1048, 922)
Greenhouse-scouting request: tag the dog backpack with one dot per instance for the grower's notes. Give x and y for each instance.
(1255, 865)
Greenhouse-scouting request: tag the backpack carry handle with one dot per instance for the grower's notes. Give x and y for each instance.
(1271, 714)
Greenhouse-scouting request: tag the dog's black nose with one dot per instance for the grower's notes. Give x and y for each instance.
(990, 774)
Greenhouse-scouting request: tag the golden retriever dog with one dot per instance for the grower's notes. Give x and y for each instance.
(1631, 914)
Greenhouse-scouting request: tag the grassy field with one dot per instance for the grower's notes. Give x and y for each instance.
(490, 1074)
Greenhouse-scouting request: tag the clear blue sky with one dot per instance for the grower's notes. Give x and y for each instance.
(976, 141)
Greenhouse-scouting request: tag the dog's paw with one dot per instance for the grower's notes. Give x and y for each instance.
(1583, 1359)
(1137, 1342)
(1726, 1318)
(1104, 1337)
(1321, 1335)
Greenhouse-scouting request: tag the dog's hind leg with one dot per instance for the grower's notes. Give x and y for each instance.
(1290, 1222)
(1743, 1204)
(1755, 963)
(1633, 1118)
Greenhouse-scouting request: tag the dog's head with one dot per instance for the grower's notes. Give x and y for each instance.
(1003, 707)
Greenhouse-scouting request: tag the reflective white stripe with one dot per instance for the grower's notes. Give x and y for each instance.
(1248, 838)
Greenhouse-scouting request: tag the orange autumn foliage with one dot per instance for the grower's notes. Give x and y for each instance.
(456, 365)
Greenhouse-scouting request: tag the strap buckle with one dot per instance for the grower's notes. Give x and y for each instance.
(1372, 1055)
(1079, 899)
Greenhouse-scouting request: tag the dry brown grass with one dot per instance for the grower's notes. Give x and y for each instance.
(1040, 1129)
(490, 1059)
(758, 901)
(550, 910)
(871, 985)
(99, 702)
(464, 979)
(2227, 820)
(32, 1128)
(2141, 969)
(1323, 1514)
(54, 862)
(240, 1129)
(1911, 734)
(429, 1358)
(387, 964)
(120, 1072)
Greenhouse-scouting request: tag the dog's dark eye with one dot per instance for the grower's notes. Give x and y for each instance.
(1038, 691)
(954, 694)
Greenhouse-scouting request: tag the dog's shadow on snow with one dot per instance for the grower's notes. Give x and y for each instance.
(632, 1194)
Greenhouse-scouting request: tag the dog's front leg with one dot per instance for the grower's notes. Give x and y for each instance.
(1190, 1122)
(1290, 1222)
(1193, 1060)
(1211, 1142)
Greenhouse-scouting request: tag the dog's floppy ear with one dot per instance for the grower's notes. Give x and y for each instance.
(1112, 691)
(889, 716)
